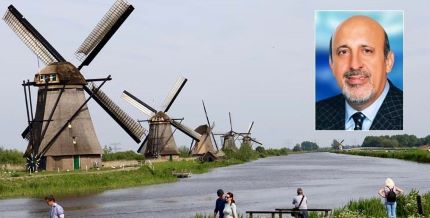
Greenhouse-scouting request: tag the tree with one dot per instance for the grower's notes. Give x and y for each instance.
(298, 147)
(107, 150)
(309, 146)
(260, 149)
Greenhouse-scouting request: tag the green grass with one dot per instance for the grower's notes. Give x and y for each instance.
(81, 182)
(374, 207)
(421, 156)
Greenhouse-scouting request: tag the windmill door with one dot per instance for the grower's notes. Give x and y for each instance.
(76, 162)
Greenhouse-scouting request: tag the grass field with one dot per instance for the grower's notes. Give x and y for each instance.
(77, 183)
(421, 156)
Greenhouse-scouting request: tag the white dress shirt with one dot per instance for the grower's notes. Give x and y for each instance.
(370, 112)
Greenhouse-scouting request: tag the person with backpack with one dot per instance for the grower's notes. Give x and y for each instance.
(300, 203)
(390, 192)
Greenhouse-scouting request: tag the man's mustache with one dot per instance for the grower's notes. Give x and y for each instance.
(356, 73)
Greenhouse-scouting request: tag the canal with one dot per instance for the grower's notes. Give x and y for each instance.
(329, 181)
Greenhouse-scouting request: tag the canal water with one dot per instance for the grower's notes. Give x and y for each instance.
(329, 181)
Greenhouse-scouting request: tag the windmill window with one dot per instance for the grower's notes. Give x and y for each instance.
(54, 77)
(44, 78)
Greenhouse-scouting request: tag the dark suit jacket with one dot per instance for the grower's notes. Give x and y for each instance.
(330, 113)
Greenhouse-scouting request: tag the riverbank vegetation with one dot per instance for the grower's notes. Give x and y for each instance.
(417, 155)
(83, 182)
(395, 141)
(109, 155)
(374, 207)
(306, 146)
(11, 156)
(22, 184)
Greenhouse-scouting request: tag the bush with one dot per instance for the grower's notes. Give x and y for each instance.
(362, 208)
(11, 156)
(184, 152)
(407, 204)
(122, 155)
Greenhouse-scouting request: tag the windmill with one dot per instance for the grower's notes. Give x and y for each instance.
(160, 142)
(246, 137)
(61, 134)
(228, 139)
(205, 144)
(338, 145)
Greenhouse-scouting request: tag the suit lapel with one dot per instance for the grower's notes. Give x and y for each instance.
(390, 115)
(338, 116)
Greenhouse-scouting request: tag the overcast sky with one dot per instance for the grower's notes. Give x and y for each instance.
(252, 58)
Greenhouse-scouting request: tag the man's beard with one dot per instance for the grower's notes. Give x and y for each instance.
(358, 94)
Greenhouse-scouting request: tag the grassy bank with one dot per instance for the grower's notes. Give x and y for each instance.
(374, 207)
(79, 183)
(421, 156)
(21, 184)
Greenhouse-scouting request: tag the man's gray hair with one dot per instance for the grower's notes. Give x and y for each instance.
(299, 191)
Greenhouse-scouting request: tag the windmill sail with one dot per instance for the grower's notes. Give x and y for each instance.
(31, 37)
(209, 124)
(142, 106)
(132, 127)
(250, 127)
(174, 92)
(104, 30)
(191, 133)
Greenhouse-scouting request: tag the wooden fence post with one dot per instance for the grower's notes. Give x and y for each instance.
(419, 205)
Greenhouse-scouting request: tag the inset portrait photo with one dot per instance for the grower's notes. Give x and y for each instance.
(359, 70)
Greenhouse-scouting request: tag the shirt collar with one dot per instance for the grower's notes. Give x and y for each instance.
(371, 111)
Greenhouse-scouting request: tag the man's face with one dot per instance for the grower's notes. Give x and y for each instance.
(50, 203)
(358, 60)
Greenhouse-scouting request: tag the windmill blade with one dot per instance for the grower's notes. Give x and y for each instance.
(254, 140)
(132, 127)
(174, 92)
(189, 132)
(31, 37)
(191, 147)
(237, 137)
(206, 113)
(103, 31)
(250, 127)
(143, 146)
(26, 133)
(213, 136)
(231, 124)
(142, 106)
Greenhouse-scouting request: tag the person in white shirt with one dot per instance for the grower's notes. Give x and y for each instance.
(230, 206)
(301, 202)
(55, 210)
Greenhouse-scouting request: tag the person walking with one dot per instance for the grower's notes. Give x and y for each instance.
(300, 203)
(55, 210)
(219, 204)
(390, 192)
(230, 206)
